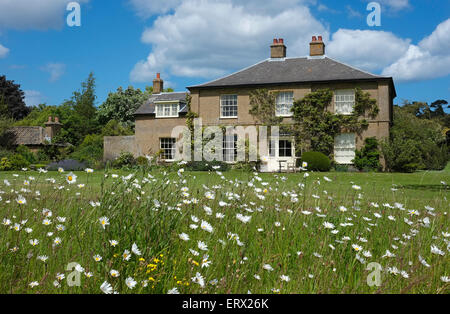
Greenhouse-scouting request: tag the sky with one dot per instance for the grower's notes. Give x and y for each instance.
(126, 42)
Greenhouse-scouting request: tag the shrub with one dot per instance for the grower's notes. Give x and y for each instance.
(316, 161)
(207, 166)
(125, 159)
(341, 168)
(68, 164)
(18, 162)
(368, 158)
(142, 161)
(26, 153)
(90, 150)
(248, 166)
(5, 165)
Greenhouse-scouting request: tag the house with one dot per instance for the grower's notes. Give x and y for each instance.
(36, 137)
(226, 101)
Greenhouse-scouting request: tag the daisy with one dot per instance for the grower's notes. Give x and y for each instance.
(267, 267)
(184, 237)
(113, 242)
(199, 280)
(202, 246)
(285, 278)
(135, 249)
(57, 241)
(97, 258)
(106, 288)
(126, 255)
(114, 273)
(173, 291)
(436, 250)
(242, 218)
(34, 242)
(21, 200)
(206, 226)
(104, 221)
(71, 178)
(33, 284)
(328, 225)
(89, 170)
(130, 282)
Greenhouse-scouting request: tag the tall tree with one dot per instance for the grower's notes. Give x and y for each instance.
(12, 99)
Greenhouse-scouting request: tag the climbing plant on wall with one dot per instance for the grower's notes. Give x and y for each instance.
(316, 126)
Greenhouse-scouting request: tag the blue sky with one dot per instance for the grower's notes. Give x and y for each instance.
(125, 42)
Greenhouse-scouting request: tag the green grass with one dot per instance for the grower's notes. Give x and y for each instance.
(152, 212)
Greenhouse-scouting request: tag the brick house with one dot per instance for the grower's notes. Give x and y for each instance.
(226, 101)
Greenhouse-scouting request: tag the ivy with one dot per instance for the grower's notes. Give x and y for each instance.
(263, 106)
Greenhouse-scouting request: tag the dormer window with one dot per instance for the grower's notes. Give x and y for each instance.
(167, 110)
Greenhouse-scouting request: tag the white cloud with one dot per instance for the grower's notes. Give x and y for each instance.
(395, 4)
(56, 70)
(40, 15)
(3, 51)
(208, 38)
(33, 98)
(427, 60)
(366, 49)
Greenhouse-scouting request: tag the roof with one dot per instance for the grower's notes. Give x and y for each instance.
(292, 70)
(28, 135)
(149, 106)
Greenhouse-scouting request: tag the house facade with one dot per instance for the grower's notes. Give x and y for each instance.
(226, 102)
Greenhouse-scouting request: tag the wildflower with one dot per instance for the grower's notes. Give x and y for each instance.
(113, 242)
(184, 237)
(130, 282)
(89, 170)
(206, 226)
(60, 170)
(57, 241)
(135, 249)
(356, 187)
(46, 222)
(267, 267)
(97, 258)
(388, 254)
(202, 246)
(285, 278)
(436, 250)
(126, 255)
(71, 178)
(328, 225)
(342, 209)
(106, 288)
(173, 291)
(33, 284)
(34, 242)
(21, 200)
(60, 276)
(445, 279)
(114, 273)
(43, 258)
(199, 279)
(104, 221)
(243, 218)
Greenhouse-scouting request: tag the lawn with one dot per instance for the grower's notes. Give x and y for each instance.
(231, 232)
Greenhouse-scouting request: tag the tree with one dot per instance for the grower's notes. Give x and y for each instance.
(415, 143)
(121, 106)
(12, 99)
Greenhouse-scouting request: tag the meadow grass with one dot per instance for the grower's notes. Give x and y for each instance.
(264, 233)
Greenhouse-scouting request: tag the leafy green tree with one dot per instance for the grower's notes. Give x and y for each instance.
(414, 143)
(12, 99)
(368, 157)
(121, 106)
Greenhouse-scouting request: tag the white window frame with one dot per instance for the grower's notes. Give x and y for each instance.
(229, 148)
(284, 104)
(172, 107)
(164, 143)
(224, 103)
(344, 148)
(344, 99)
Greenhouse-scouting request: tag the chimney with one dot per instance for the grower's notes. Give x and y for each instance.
(278, 49)
(317, 47)
(158, 84)
(52, 128)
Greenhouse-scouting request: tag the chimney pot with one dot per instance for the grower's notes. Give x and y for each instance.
(49, 119)
(56, 120)
(314, 38)
(320, 38)
(158, 75)
(275, 41)
(281, 41)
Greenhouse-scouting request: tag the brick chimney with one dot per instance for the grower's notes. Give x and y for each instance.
(52, 128)
(278, 49)
(158, 84)
(317, 47)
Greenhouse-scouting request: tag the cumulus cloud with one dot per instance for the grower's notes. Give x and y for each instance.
(429, 59)
(395, 5)
(367, 49)
(208, 38)
(39, 15)
(33, 98)
(3, 51)
(56, 70)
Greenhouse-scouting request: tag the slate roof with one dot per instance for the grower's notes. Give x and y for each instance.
(149, 106)
(292, 70)
(28, 135)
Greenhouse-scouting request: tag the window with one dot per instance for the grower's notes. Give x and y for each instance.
(166, 110)
(228, 106)
(285, 101)
(168, 147)
(344, 101)
(230, 147)
(344, 148)
(285, 148)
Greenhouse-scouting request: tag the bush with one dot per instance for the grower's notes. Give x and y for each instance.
(90, 150)
(17, 162)
(125, 159)
(68, 164)
(5, 165)
(368, 158)
(316, 161)
(341, 168)
(248, 166)
(207, 166)
(26, 153)
(142, 161)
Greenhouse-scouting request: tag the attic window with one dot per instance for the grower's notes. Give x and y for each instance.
(169, 110)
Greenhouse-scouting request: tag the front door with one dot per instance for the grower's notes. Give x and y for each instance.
(281, 154)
